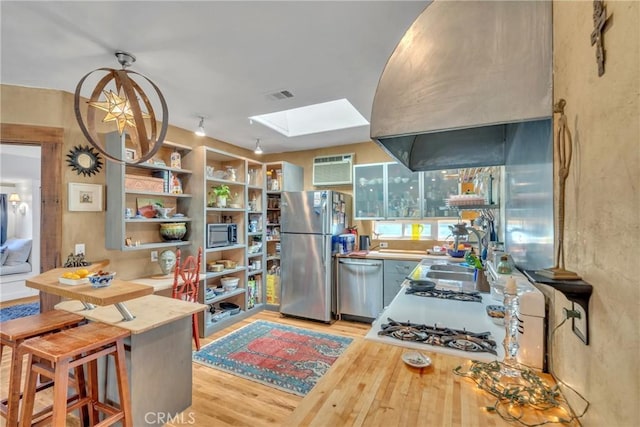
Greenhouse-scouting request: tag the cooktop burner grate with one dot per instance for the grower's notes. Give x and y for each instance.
(446, 294)
(475, 342)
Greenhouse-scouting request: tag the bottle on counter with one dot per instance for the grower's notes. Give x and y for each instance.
(504, 267)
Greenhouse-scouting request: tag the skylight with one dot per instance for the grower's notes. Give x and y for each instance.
(323, 117)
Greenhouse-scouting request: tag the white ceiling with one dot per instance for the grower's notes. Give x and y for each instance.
(218, 59)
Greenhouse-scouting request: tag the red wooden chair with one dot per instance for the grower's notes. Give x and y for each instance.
(186, 281)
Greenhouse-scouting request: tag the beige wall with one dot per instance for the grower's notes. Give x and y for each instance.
(43, 107)
(603, 191)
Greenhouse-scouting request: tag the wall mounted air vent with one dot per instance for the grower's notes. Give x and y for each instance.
(333, 170)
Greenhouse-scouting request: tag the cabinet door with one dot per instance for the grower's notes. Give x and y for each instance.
(369, 191)
(395, 272)
(438, 187)
(403, 192)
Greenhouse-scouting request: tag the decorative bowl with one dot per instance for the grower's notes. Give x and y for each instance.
(218, 291)
(456, 254)
(171, 231)
(101, 279)
(162, 212)
(496, 312)
(230, 283)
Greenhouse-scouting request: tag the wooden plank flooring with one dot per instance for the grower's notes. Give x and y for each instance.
(221, 399)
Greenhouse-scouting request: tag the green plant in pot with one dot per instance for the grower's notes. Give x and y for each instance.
(222, 192)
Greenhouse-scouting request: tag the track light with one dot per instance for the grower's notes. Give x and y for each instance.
(200, 131)
(258, 149)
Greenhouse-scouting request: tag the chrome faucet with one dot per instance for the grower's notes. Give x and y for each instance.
(480, 237)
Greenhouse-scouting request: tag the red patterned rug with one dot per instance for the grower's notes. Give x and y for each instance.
(285, 357)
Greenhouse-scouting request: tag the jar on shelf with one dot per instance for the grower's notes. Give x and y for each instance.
(504, 267)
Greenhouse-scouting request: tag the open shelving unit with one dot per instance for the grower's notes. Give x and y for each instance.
(245, 208)
(280, 176)
(129, 185)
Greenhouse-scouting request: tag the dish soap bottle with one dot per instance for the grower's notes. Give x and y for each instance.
(503, 266)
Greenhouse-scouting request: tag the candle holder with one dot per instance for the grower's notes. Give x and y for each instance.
(509, 365)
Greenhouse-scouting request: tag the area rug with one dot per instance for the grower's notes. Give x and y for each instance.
(284, 357)
(19, 310)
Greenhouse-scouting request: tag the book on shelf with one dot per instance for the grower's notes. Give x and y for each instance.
(165, 179)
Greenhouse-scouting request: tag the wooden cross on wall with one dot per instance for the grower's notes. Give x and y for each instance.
(599, 23)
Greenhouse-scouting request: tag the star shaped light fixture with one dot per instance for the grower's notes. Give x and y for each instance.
(118, 108)
(128, 106)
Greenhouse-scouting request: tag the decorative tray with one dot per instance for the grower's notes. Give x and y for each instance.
(416, 359)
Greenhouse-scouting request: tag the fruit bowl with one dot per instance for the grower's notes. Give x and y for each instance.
(101, 279)
(456, 254)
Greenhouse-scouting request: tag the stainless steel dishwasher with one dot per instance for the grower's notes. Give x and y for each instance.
(360, 287)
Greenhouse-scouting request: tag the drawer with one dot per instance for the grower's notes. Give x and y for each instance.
(399, 267)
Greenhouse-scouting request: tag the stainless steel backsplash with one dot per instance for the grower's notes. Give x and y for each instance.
(529, 218)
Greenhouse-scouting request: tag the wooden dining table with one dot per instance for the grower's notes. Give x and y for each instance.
(115, 294)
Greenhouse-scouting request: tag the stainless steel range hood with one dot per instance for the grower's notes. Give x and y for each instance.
(462, 79)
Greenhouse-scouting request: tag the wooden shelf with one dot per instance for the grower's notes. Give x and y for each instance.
(159, 220)
(156, 194)
(156, 245)
(226, 295)
(224, 248)
(213, 274)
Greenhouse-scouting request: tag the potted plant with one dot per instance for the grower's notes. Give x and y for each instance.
(222, 192)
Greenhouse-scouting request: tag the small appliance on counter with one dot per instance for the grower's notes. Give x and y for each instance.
(343, 244)
(365, 242)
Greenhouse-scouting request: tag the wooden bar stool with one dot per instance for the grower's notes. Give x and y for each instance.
(71, 349)
(12, 334)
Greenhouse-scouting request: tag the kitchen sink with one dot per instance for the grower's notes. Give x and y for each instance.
(450, 275)
(451, 268)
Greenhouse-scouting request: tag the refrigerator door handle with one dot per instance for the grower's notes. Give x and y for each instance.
(324, 230)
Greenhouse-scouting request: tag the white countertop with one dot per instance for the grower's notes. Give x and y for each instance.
(467, 315)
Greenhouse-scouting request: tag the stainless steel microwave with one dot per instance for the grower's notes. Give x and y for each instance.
(221, 235)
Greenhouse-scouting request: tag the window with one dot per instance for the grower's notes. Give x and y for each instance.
(437, 229)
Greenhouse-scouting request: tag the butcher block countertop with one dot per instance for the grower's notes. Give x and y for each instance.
(118, 291)
(150, 312)
(370, 385)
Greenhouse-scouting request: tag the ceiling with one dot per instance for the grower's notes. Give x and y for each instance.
(217, 59)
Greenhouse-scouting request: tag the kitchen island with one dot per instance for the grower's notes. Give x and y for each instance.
(370, 385)
(158, 354)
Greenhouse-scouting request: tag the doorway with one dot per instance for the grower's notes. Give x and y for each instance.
(50, 140)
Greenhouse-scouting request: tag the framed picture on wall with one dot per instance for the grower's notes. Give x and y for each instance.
(129, 154)
(85, 197)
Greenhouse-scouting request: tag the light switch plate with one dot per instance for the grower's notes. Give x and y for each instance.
(580, 325)
(79, 248)
(154, 256)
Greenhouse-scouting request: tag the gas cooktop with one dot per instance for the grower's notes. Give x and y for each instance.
(445, 294)
(476, 342)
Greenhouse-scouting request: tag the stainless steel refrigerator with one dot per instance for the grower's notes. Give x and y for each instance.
(309, 220)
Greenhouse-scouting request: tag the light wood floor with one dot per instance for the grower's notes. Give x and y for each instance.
(221, 399)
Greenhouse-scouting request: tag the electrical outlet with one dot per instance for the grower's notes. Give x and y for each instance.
(580, 323)
(154, 256)
(384, 245)
(79, 248)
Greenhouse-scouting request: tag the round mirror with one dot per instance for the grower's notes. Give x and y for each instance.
(84, 160)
